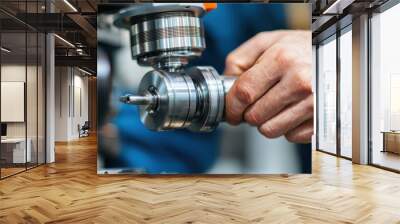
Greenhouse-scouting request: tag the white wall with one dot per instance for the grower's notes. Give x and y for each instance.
(62, 81)
(13, 100)
(80, 100)
(12, 73)
(71, 94)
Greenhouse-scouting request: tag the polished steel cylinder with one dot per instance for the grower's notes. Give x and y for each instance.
(193, 99)
(166, 39)
(165, 36)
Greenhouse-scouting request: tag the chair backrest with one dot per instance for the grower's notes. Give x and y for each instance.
(86, 124)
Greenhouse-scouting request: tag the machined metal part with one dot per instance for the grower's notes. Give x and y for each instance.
(165, 37)
(192, 99)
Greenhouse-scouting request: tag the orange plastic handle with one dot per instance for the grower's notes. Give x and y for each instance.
(210, 6)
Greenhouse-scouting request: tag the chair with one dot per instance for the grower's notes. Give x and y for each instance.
(84, 129)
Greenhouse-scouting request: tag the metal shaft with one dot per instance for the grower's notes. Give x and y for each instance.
(138, 100)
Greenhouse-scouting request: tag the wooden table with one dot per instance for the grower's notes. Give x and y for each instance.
(14, 150)
(391, 141)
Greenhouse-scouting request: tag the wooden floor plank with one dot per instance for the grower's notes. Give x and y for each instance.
(70, 191)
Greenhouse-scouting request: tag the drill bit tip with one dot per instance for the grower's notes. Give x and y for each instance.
(137, 100)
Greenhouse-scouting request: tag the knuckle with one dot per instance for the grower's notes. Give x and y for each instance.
(291, 137)
(231, 118)
(231, 59)
(261, 36)
(230, 112)
(268, 131)
(300, 136)
(310, 106)
(253, 118)
(283, 57)
(228, 107)
(244, 93)
(302, 83)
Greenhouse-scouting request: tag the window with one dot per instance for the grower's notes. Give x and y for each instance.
(327, 96)
(385, 89)
(346, 92)
(22, 77)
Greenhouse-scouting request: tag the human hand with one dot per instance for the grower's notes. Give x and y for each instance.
(273, 90)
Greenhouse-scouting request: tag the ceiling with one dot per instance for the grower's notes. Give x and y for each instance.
(74, 22)
(329, 16)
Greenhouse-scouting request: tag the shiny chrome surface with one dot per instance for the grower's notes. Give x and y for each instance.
(164, 37)
(175, 99)
(172, 36)
(228, 81)
(172, 97)
(192, 99)
(166, 22)
(138, 100)
(123, 18)
(212, 94)
(181, 46)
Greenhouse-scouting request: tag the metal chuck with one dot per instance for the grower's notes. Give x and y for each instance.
(192, 99)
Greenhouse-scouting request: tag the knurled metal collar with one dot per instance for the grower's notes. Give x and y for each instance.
(124, 17)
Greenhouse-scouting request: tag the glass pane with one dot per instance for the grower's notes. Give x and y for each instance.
(13, 86)
(41, 98)
(327, 96)
(31, 100)
(346, 94)
(32, 85)
(22, 79)
(386, 89)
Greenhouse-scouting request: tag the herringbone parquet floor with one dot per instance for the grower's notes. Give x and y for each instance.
(69, 191)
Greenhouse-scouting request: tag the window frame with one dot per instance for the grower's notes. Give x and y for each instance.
(31, 30)
(334, 37)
